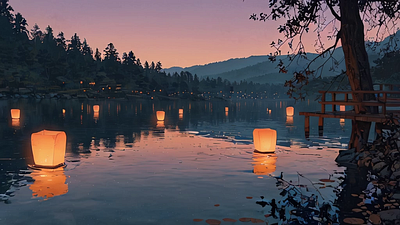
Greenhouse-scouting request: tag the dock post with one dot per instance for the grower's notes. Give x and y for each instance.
(307, 127)
(321, 126)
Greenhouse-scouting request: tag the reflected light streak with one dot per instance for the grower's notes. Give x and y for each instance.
(264, 164)
(48, 183)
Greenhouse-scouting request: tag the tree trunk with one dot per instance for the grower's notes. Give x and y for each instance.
(357, 67)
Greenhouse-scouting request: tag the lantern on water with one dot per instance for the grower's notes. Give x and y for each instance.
(269, 111)
(63, 111)
(48, 148)
(96, 108)
(15, 113)
(48, 183)
(264, 164)
(289, 111)
(180, 116)
(180, 111)
(342, 108)
(226, 109)
(160, 115)
(264, 140)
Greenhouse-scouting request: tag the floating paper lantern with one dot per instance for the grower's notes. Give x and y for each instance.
(160, 115)
(15, 113)
(264, 140)
(342, 108)
(63, 111)
(48, 183)
(180, 111)
(96, 108)
(264, 164)
(289, 111)
(269, 111)
(226, 109)
(48, 148)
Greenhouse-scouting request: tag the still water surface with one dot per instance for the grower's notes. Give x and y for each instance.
(124, 168)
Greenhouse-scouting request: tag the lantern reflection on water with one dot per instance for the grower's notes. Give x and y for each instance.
(160, 115)
(48, 148)
(15, 113)
(264, 140)
(264, 164)
(226, 109)
(15, 123)
(96, 115)
(289, 120)
(289, 111)
(48, 183)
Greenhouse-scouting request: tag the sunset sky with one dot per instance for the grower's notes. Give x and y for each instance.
(175, 32)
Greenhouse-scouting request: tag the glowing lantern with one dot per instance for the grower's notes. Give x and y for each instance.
(48, 183)
(226, 109)
(63, 111)
(289, 111)
(264, 140)
(160, 115)
(180, 116)
(15, 113)
(96, 108)
(342, 122)
(264, 164)
(180, 111)
(48, 148)
(269, 111)
(342, 108)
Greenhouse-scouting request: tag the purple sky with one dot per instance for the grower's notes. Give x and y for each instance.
(175, 32)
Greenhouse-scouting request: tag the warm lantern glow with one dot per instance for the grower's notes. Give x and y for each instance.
(289, 111)
(160, 115)
(48, 183)
(269, 111)
(180, 111)
(264, 140)
(96, 108)
(15, 113)
(342, 108)
(264, 164)
(180, 116)
(96, 115)
(63, 111)
(342, 122)
(289, 120)
(160, 124)
(226, 109)
(48, 148)
(15, 123)
(226, 114)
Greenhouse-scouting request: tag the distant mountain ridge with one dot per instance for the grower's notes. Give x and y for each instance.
(261, 70)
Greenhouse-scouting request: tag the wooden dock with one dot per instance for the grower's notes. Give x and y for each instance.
(384, 100)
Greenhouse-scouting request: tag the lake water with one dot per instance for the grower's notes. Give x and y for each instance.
(122, 167)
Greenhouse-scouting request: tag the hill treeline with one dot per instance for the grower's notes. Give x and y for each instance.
(46, 61)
